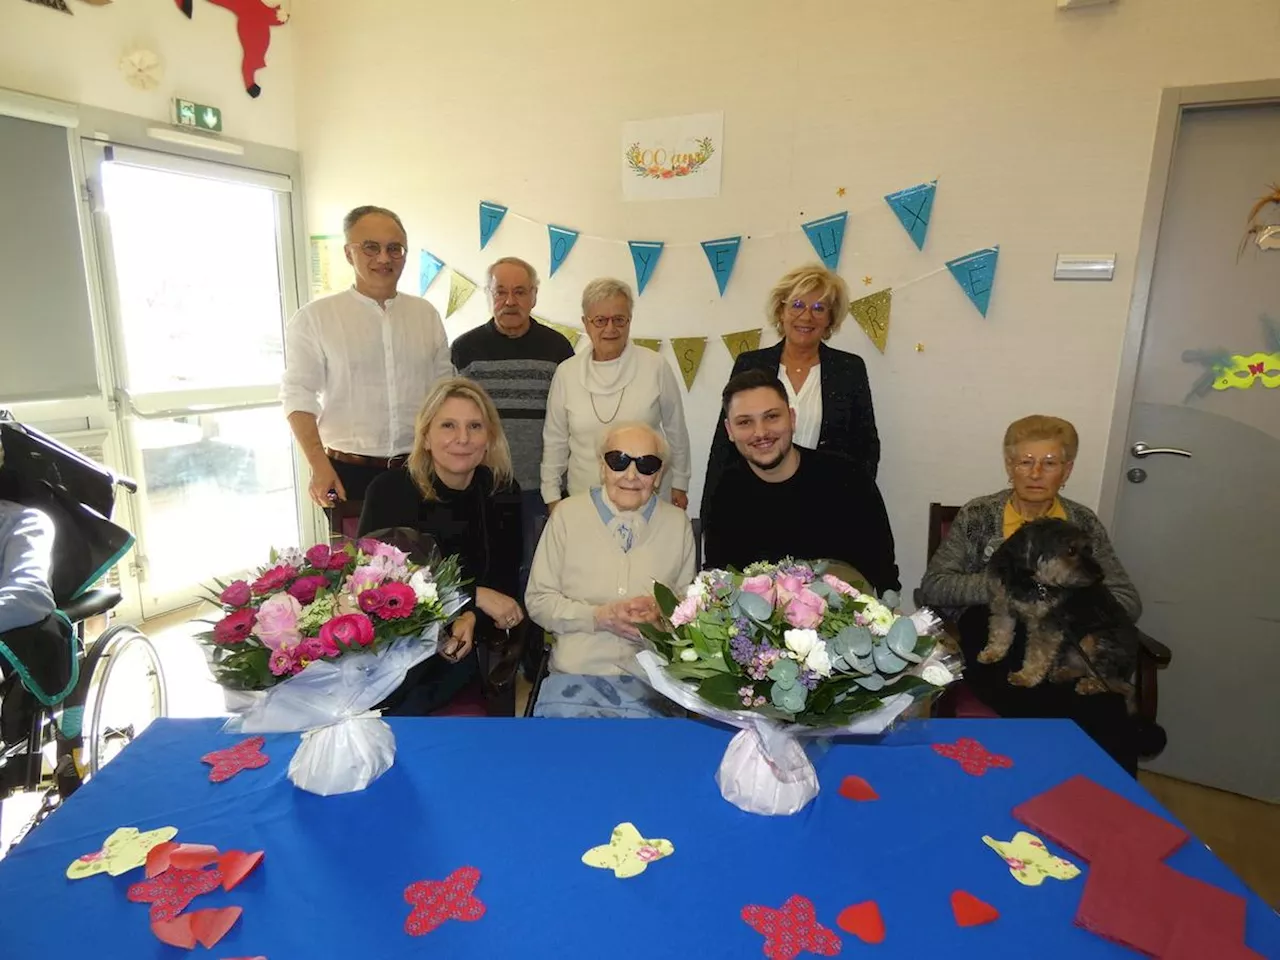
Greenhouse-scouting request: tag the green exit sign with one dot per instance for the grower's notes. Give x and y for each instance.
(187, 113)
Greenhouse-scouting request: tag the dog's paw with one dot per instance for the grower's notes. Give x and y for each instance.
(1090, 685)
(1062, 675)
(1024, 678)
(990, 655)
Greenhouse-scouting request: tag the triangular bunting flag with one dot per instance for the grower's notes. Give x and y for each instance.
(429, 265)
(689, 351)
(460, 291)
(741, 342)
(644, 254)
(872, 314)
(914, 206)
(827, 237)
(976, 273)
(570, 333)
(722, 254)
(649, 343)
(491, 215)
(562, 241)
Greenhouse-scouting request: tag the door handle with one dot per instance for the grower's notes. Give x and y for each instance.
(1141, 450)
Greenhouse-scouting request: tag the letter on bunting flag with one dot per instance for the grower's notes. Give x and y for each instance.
(976, 274)
(562, 241)
(491, 215)
(460, 291)
(741, 341)
(872, 314)
(429, 265)
(722, 254)
(689, 351)
(644, 255)
(827, 237)
(914, 207)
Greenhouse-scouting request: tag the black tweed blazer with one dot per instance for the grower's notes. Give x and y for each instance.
(848, 418)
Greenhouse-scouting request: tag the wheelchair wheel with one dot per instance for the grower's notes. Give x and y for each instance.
(126, 691)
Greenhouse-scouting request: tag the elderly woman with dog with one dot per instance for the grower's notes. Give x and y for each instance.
(1039, 454)
(591, 585)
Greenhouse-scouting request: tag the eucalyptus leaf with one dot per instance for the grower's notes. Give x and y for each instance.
(891, 599)
(754, 606)
(901, 639)
(872, 682)
(863, 664)
(886, 660)
(824, 591)
(785, 672)
(858, 640)
(790, 699)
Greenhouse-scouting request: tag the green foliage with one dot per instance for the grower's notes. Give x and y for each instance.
(667, 601)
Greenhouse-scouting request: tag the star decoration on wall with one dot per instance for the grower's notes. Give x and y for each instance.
(867, 281)
(839, 191)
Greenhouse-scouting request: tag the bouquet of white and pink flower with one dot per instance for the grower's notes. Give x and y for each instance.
(787, 650)
(318, 639)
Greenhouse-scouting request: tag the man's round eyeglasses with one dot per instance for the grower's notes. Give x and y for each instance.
(371, 248)
(601, 322)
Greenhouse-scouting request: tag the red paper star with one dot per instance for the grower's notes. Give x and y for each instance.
(245, 755)
(792, 930)
(436, 901)
(172, 891)
(972, 756)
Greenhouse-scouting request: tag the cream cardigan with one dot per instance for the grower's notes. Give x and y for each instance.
(578, 566)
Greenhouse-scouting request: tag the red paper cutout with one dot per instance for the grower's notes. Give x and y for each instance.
(192, 856)
(972, 756)
(206, 926)
(254, 20)
(235, 865)
(791, 930)
(969, 911)
(172, 891)
(855, 788)
(436, 901)
(245, 755)
(175, 931)
(158, 858)
(863, 920)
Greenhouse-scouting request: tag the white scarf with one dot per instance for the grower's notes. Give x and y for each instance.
(603, 377)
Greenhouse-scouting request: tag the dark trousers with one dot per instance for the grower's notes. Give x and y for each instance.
(1103, 716)
(355, 477)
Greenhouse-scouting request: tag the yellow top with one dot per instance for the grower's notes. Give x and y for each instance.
(1013, 519)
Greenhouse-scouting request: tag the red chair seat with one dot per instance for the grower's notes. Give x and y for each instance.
(469, 703)
(963, 704)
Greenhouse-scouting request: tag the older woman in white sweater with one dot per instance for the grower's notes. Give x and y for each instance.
(593, 575)
(613, 382)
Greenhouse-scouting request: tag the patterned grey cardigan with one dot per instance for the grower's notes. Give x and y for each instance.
(955, 577)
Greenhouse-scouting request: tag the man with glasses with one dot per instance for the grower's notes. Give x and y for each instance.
(781, 500)
(359, 363)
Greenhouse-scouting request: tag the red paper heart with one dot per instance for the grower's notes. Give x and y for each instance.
(172, 891)
(855, 788)
(863, 920)
(210, 926)
(245, 755)
(158, 858)
(192, 856)
(972, 756)
(970, 911)
(236, 865)
(176, 931)
(436, 901)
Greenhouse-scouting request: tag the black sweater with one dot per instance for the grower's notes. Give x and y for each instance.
(828, 510)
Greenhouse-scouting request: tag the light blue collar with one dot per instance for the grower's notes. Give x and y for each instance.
(607, 512)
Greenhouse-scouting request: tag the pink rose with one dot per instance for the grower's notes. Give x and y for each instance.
(788, 587)
(396, 556)
(399, 601)
(805, 610)
(318, 556)
(352, 629)
(273, 579)
(313, 648)
(339, 560)
(304, 589)
(364, 578)
(371, 600)
(839, 586)
(236, 594)
(685, 612)
(234, 628)
(761, 585)
(368, 545)
(278, 621)
(283, 660)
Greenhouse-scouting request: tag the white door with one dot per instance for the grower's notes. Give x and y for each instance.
(1199, 532)
(197, 261)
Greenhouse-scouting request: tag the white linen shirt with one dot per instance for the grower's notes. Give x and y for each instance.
(807, 403)
(364, 370)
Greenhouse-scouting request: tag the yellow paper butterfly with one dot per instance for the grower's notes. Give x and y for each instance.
(627, 853)
(125, 850)
(1030, 861)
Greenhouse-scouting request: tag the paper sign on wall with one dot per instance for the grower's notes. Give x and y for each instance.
(562, 241)
(460, 291)
(429, 267)
(645, 255)
(827, 237)
(689, 352)
(722, 255)
(330, 271)
(674, 158)
(741, 342)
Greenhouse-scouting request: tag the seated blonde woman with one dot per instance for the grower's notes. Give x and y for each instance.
(592, 579)
(1039, 454)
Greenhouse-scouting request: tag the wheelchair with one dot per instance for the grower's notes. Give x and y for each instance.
(107, 686)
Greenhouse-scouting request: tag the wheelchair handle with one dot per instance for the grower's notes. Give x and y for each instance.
(128, 483)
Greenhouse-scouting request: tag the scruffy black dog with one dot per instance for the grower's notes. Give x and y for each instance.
(1045, 575)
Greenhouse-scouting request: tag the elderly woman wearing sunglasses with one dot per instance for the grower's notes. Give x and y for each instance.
(593, 574)
(827, 388)
(613, 382)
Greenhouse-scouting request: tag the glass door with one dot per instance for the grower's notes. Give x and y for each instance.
(197, 262)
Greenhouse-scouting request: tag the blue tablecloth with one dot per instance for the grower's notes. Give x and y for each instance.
(522, 800)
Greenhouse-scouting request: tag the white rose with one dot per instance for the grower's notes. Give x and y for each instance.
(423, 587)
(800, 642)
(818, 660)
(688, 655)
(936, 674)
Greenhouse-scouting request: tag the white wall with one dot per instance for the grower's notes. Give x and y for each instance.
(75, 58)
(1039, 125)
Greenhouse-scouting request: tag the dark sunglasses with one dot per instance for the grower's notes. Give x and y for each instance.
(648, 465)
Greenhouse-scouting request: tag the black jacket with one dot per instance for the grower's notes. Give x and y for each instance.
(848, 418)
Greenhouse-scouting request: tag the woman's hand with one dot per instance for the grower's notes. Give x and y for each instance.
(503, 610)
(680, 498)
(621, 616)
(461, 638)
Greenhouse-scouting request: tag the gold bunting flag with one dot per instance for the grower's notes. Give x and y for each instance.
(872, 314)
(649, 343)
(460, 291)
(689, 351)
(741, 342)
(569, 333)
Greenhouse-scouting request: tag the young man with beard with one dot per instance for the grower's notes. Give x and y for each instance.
(779, 500)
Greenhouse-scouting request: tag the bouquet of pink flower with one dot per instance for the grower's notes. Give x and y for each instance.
(322, 605)
(318, 639)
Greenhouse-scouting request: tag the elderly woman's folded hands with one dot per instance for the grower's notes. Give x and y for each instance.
(621, 616)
